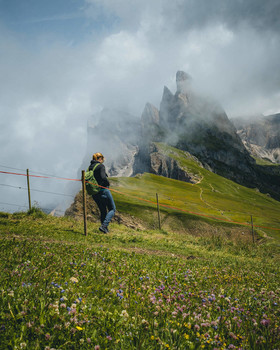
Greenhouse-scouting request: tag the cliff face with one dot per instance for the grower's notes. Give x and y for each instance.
(261, 137)
(161, 164)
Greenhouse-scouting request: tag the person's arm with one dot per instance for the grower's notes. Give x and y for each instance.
(103, 176)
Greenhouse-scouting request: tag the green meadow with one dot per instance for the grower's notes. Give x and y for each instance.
(199, 282)
(134, 289)
(214, 199)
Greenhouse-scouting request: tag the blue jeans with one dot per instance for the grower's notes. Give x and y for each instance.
(106, 205)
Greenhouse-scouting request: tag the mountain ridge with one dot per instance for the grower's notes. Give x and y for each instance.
(187, 121)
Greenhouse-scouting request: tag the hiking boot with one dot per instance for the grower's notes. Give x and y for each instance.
(103, 229)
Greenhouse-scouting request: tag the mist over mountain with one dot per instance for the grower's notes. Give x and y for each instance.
(188, 121)
(198, 125)
(116, 135)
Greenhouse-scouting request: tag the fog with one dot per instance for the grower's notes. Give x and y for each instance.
(62, 64)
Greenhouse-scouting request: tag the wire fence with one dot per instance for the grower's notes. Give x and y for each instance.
(156, 203)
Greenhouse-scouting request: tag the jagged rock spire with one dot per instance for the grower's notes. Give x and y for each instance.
(150, 115)
(183, 81)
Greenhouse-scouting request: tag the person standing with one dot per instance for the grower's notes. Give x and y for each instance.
(103, 198)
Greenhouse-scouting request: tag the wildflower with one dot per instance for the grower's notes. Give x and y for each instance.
(47, 336)
(74, 280)
(88, 340)
(79, 328)
(23, 345)
(124, 314)
(265, 322)
(186, 336)
(97, 347)
(145, 323)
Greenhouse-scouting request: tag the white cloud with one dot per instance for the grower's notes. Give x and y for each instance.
(46, 96)
(122, 53)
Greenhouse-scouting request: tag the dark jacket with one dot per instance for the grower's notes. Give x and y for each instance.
(100, 173)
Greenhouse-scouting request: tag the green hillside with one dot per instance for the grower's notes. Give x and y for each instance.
(133, 289)
(199, 282)
(213, 197)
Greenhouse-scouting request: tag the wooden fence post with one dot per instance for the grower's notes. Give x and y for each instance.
(28, 188)
(159, 225)
(253, 235)
(84, 202)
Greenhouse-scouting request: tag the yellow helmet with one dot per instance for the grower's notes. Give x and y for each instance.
(97, 155)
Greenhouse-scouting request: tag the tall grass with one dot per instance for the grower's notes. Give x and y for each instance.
(134, 289)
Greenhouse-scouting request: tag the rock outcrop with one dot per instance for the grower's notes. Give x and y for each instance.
(162, 164)
(261, 136)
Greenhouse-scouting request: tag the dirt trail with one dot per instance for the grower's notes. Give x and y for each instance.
(209, 205)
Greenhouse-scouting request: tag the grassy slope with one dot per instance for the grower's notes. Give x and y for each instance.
(145, 289)
(214, 196)
(228, 285)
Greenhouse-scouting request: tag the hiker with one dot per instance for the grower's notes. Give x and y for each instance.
(103, 198)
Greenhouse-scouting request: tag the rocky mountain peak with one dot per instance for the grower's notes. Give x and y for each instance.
(197, 125)
(183, 81)
(189, 122)
(150, 115)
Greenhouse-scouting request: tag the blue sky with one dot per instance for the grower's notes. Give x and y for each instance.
(62, 61)
(66, 20)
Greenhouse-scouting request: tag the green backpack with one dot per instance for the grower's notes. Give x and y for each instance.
(92, 186)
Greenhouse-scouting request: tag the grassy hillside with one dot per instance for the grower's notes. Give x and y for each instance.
(133, 289)
(198, 283)
(214, 196)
